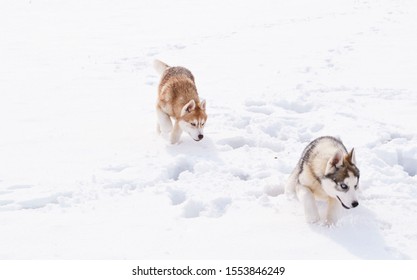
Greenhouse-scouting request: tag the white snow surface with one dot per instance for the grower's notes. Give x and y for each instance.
(84, 175)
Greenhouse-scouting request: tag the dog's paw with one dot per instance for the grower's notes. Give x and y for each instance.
(174, 140)
(330, 221)
(329, 224)
(174, 137)
(312, 218)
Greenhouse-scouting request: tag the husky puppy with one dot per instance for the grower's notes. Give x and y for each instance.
(326, 171)
(178, 99)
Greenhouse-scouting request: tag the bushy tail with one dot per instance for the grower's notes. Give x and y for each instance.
(160, 66)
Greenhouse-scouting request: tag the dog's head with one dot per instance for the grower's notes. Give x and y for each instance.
(193, 118)
(342, 179)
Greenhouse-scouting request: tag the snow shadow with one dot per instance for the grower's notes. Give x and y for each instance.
(193, 151)
(360, 235)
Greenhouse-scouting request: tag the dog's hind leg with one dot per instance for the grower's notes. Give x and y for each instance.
(164, 123)
(176, 133)
(307, 199)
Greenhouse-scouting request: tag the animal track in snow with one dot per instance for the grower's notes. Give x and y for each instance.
(391, 154)
(263, 109)
(43, 201)
(236, 142)
(179, 166)
(214, 209)
(177, 196)
(316, 127)
(273, 129)
(192, 209)
(219, 205)
(297, 106)
(408, 160)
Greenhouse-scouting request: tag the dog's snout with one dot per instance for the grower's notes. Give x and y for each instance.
(200, 136)
(354, 204)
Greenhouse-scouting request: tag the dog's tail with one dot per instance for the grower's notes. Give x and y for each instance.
(160, 66)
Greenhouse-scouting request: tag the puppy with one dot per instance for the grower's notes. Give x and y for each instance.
(325, 171)
(178, 99)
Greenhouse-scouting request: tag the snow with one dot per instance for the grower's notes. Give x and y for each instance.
(83, 174)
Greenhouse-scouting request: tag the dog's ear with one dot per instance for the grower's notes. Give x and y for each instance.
(190, 106)
(203, 104)
(351, 157)
(334, 162)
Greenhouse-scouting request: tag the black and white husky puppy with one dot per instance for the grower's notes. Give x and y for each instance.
(325, 171)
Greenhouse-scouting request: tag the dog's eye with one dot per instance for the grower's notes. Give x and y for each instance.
(193, 124)
(344, 186)
(202, 124)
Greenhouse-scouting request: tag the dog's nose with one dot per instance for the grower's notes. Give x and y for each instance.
(200, 136)
(354, 204)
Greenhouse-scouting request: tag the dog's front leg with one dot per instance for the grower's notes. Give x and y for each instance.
(307, 199)
(176, 133)
(332, 211)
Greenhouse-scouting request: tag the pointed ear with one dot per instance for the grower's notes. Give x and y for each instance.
(203, 104)
(351, 156)
(190, 106)
(334, 162)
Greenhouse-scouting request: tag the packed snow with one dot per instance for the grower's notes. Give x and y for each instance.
(84, 175)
